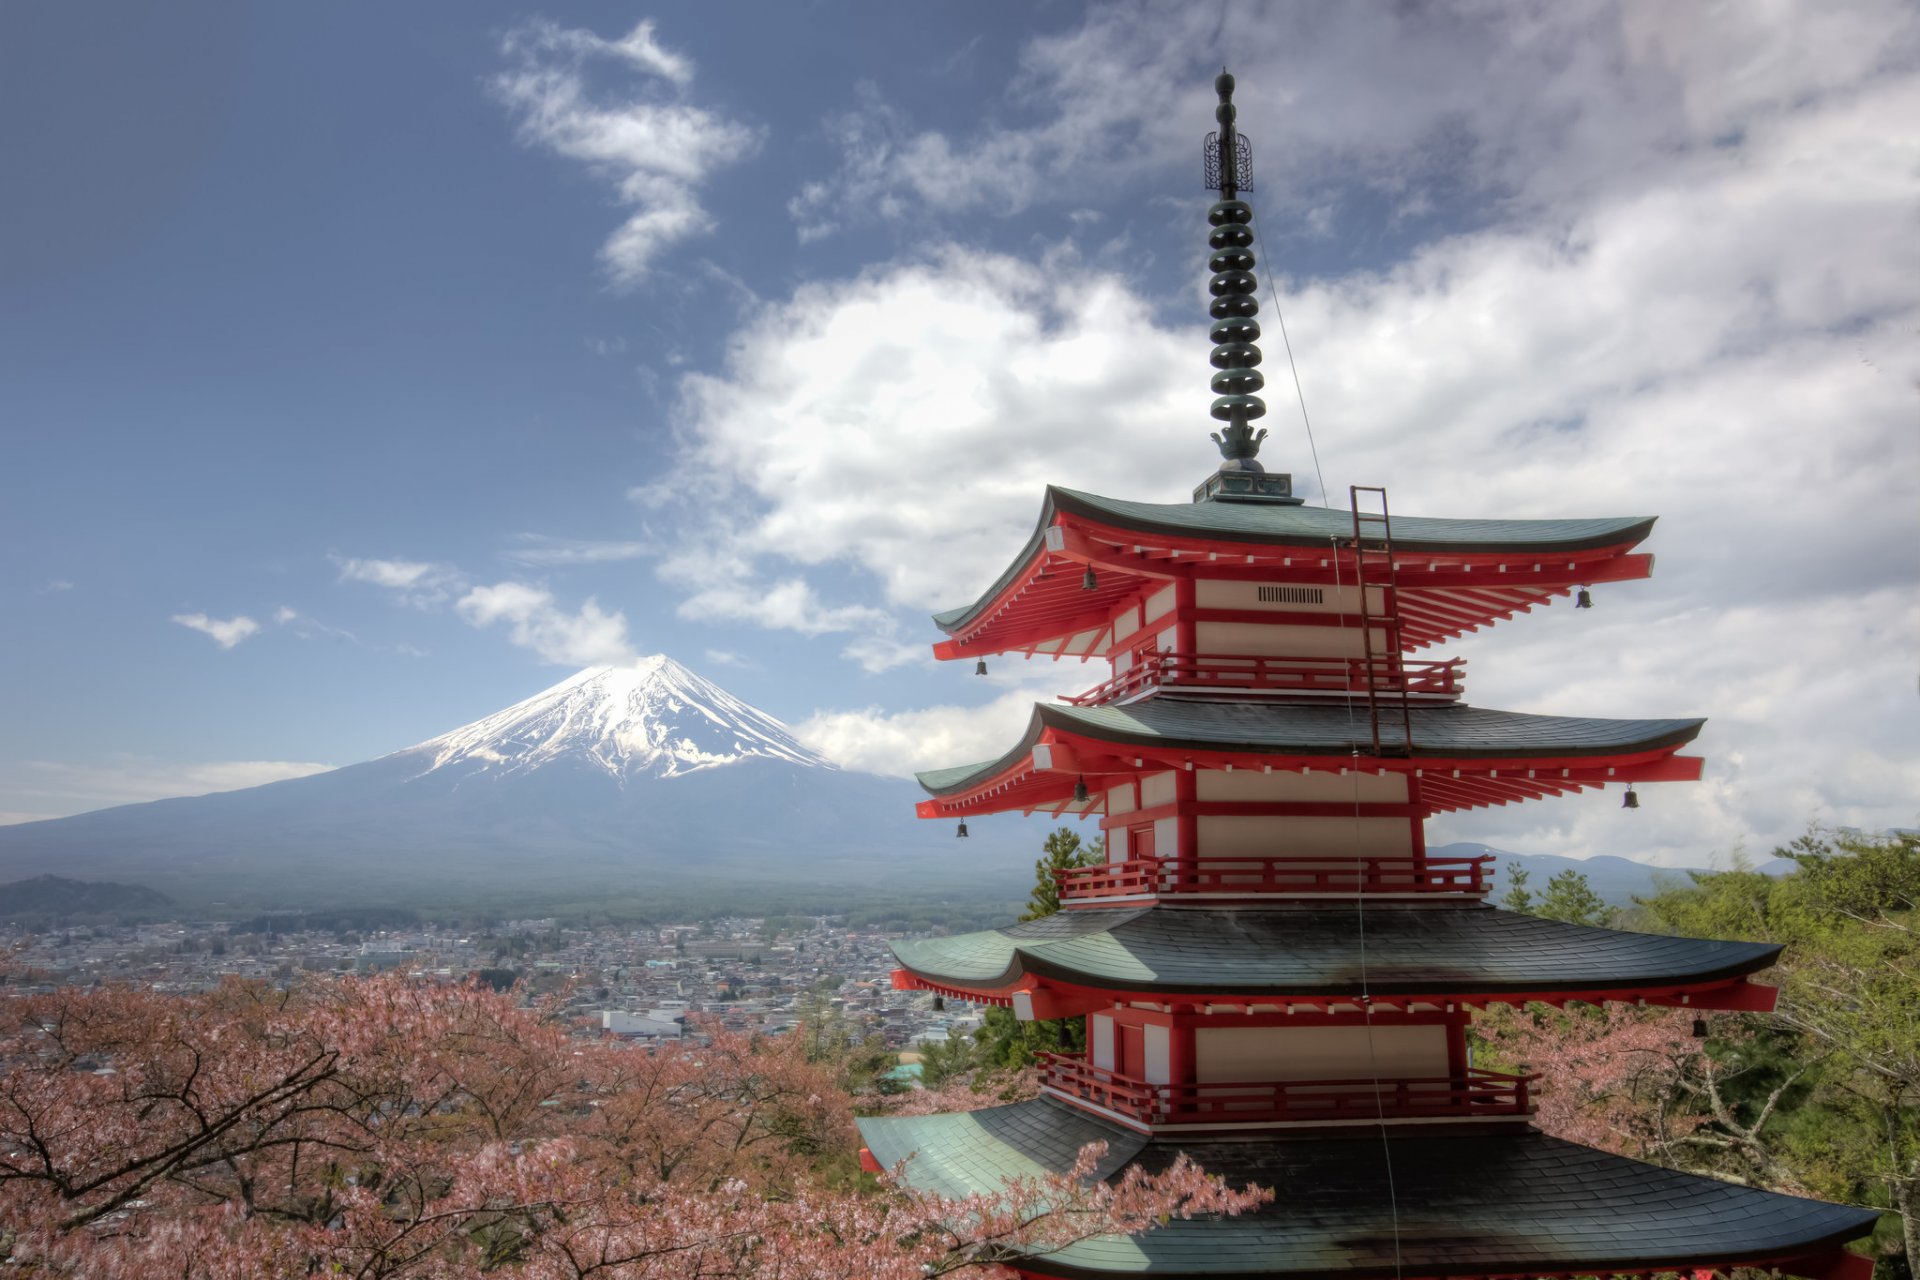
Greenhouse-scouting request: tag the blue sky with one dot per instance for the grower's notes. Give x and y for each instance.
(365, 376)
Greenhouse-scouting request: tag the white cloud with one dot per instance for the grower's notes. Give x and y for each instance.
(1415, 104)
(652, 145)
(874, 740)
(55, 586)
(906, 422)
(226, 632)
(311, 628)
(420, 583)
(637, 47)
(1703, 309)
(539, 549)
(586, 637)
(58, 789)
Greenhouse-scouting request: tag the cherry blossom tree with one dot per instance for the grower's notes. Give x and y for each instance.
(375, 1127)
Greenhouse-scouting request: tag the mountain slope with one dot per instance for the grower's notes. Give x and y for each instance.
(614, 782)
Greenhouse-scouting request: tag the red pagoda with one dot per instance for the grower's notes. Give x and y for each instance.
(1275, 976)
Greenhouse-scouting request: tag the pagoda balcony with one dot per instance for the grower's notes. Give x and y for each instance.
(1237, 1105)
(1251, 674)
(1296, 876)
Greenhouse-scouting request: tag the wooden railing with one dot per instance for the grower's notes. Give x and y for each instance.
(1279, 877)
(1244, 672)
(1472, 1095)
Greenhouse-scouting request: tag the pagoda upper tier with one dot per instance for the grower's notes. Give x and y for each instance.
(1460, 757)
(1453, 576)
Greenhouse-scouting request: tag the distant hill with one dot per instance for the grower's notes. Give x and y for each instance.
(57, 898)
(1617, 880)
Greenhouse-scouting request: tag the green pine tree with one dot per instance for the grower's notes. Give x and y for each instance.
(1063, 851)
(1517, 899)
(1570, 898)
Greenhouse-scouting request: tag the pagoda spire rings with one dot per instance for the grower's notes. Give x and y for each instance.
(1235, 332)
(1237, 380)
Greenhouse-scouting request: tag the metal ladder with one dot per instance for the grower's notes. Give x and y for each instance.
(1373, 566)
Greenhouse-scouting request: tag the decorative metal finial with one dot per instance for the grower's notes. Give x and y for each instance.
(1229, 162)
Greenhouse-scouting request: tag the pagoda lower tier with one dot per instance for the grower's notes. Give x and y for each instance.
(1324, 956)
(1378, 1201)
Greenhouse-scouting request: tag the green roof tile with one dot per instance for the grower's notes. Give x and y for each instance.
(1308, 526)
(1330, 729)
(1461, 1202)
(1314, 950)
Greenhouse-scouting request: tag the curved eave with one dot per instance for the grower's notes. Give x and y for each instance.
(1512, 1202)
(1464, 757)
(1465, 954)
(1038, 605)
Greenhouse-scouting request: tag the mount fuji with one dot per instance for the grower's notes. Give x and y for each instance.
(617, 782)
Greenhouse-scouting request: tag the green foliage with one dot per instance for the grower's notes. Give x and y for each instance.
(946, 1060)
(1517, 897)
(1570, 898)
(1005, 1042)
(1831, 1083)
(1063, 851)
(498, 979)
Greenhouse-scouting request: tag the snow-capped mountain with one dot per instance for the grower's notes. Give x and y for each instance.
(652, 718)
(616, 782)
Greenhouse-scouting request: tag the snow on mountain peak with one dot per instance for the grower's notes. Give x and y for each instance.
(651, 717)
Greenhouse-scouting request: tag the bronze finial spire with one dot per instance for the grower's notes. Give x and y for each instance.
(1229, 169)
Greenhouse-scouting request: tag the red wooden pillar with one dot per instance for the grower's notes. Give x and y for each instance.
(1186, 634)
(1186, 792)
(1180, 1048)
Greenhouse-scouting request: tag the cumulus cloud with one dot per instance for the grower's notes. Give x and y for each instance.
(1390, 103)
(651, 144)
(1696, 300)
(226, 632)
(588, 636)
(875, 740)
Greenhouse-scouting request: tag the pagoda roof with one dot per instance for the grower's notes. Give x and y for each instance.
(1174, 731)
(1463, 1203)
(1132, 539)
(1270, 952)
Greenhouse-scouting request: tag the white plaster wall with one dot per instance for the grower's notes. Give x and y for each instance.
(1318, 786)
(1166, 837)
(1318, 1053)
(1156, 789)
(1100, 1027)
(1159, 1055)
(1253, 837)
(1120, 799)
(1126, 623)
(1160, 603)
(1276, 640)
